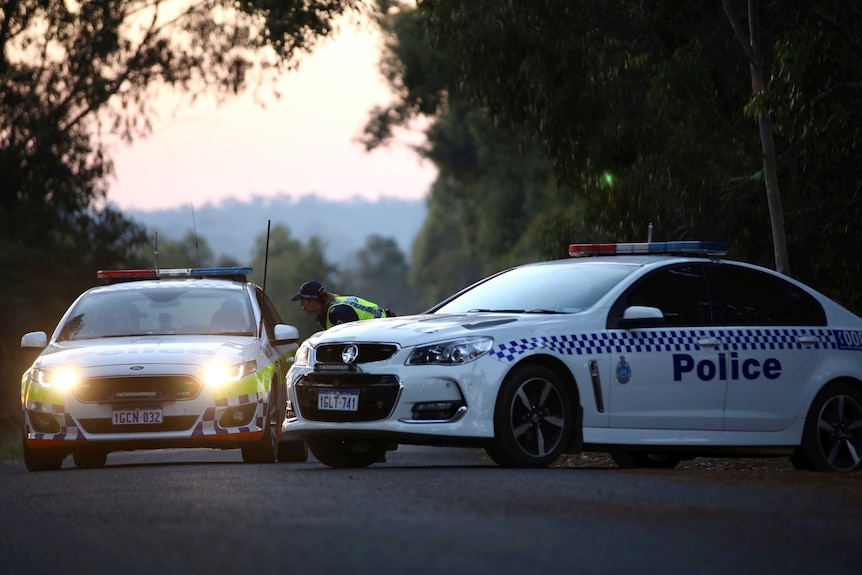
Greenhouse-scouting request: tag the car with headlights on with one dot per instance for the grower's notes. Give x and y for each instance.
(652, 352)
(152, 359)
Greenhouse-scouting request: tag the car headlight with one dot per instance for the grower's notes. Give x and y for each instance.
(60, 378)
(452, 352)
(303, 355)
(217, 373)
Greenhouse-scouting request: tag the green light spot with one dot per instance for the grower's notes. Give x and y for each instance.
(607, 180)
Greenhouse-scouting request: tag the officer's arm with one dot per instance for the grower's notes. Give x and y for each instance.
(342, 314)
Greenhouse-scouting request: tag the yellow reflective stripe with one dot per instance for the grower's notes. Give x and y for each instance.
(258, 382)
(38, 393)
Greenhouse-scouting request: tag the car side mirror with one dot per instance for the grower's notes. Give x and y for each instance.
(35, 339)
(641, 316)
(284, 334)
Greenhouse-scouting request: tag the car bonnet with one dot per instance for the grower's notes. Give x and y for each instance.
(137, 350)
(413, 330)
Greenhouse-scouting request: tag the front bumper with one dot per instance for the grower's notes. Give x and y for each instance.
(428, 405)
(200, 422)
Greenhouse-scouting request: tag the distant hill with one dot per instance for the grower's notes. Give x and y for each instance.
(230, 227)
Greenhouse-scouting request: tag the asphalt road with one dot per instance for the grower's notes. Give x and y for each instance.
(426, 510)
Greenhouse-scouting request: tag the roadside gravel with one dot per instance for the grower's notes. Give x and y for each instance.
(775, 472)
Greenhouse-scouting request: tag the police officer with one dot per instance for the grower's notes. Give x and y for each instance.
(332, 309)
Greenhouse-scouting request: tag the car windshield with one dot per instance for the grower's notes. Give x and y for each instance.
(159, 310)
(567, 287)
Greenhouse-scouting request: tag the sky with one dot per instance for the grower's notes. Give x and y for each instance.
(301, 144)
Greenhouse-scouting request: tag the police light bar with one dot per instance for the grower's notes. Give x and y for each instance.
(128, 275)
(651, 248)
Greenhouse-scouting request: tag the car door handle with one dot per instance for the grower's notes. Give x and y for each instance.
(808, 339)
(708, 342)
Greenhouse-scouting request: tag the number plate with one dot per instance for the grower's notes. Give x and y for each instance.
(341, 400)
(137, 416)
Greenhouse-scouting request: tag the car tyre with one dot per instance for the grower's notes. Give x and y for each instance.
(341, 453)
(89, 458)
(292, 451)
(42, 459)
(533, 418)
(265, 450)
(832, 436)
(634, 460)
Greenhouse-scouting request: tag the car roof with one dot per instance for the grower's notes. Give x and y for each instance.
(169, 283)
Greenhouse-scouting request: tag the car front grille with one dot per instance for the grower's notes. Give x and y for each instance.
(377, 395)
(368, 352)
(137, 389)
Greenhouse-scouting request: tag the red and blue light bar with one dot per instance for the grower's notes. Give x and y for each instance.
(650, 248)
(173, 273)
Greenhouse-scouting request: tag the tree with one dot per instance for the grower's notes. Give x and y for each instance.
(73, 76)
(288, 263)
(190, 251)
(73, 73)
(494, 186)
(643, 110)
(380, 274)
(758, 83)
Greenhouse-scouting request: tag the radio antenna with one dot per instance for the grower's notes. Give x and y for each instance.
(266, 254)
(195, 233)
(157, 251)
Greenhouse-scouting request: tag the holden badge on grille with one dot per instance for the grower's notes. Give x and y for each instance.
(349, 353)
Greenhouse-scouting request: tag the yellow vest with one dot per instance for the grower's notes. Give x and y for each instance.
(363, 308)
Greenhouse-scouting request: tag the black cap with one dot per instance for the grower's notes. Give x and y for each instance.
(308, 290)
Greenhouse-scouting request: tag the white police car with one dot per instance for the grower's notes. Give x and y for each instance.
(651, 352)
(160, 359)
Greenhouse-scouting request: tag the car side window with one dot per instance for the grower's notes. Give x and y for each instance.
(270, 314)
(680, 292)
(744, 296)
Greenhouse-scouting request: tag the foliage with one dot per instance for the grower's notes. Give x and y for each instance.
(493, 182)
(282, 266)
(78, 76)
(645, 112)
(379, 274)
(815, 101)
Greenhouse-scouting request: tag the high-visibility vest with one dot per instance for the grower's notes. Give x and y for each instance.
(364, 308)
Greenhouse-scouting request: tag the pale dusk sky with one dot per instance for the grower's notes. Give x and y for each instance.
(299, 145)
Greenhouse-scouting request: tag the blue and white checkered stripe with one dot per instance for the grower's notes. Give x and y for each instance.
(613, 342)
(208, 425)
(68, 429)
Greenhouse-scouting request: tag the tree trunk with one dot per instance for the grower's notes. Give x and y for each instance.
(770, 171)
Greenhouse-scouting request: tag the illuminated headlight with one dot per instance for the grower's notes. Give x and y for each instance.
(452, 352)
(60, 378)
(303, 355)
(217, 374)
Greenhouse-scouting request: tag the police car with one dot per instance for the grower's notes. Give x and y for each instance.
(652, 352)
(166, 358)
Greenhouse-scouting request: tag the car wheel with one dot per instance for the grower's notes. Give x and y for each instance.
(832, 436)
(533, 418)
(628, 460)
(42, 459)
(265, 450)
(347, 453)
(89, 458)
(292, 451)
